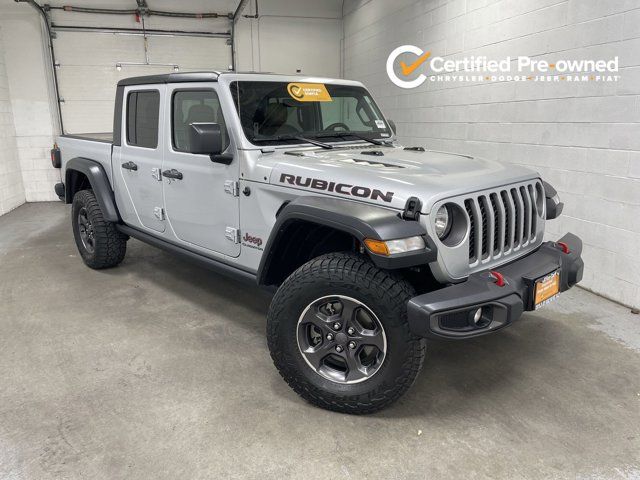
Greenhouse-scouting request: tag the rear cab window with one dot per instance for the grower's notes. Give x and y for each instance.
(143, 111)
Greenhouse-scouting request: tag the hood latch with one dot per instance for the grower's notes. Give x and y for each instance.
(412, 209)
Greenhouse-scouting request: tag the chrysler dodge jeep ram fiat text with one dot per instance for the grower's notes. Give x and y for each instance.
(298, 185)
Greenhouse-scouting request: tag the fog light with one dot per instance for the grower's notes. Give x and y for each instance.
(477, 316)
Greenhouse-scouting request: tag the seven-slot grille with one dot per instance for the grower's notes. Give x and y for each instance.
(502, 221)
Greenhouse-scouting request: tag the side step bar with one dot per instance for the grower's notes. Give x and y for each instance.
(195, 257)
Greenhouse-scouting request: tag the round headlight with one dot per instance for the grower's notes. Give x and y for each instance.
(442, 222)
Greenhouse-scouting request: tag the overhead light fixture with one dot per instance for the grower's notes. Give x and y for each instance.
(174, 66)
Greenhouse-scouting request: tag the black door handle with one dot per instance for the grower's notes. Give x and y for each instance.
(173, 173)
(130, 166)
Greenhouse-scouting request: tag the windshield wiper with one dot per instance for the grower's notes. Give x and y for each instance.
(298, 137)
(351, 134)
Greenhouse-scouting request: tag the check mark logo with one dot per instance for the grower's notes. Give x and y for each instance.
(408, 69)
(400, 78)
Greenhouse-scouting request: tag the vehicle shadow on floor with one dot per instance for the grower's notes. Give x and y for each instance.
(502, 371)
(193, 284)
(548, 361)
(458, 376)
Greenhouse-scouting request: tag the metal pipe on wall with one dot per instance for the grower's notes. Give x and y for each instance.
(105, 11)
(56, 89)
(140, 11)
(236, 16)
(137, 31)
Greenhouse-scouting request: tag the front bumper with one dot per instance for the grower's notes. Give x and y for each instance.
(448, 312)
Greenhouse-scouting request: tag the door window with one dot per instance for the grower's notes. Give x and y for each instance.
(143, 109)
(195, 106)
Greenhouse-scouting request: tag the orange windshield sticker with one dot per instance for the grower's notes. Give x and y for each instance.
(309, 92)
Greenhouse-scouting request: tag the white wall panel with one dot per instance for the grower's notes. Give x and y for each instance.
(11, 187)
(304, 35)
(311, 45)
(582, 137)
(88, 74)
(28, 82)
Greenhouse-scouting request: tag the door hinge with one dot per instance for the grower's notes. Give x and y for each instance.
(159, 213)
(232, 234)
(156, 173)
(232, 187)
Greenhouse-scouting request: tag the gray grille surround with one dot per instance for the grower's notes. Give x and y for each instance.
(503, 223)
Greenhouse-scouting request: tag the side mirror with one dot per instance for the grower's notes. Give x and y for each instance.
(392, 124)
(205, 138)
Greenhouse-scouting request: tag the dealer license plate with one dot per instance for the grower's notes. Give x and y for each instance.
(547, 289)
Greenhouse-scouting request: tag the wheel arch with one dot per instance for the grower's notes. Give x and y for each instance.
(82, 173)
(311, 226)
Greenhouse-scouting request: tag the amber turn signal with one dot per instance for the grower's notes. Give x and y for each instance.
(377, 246)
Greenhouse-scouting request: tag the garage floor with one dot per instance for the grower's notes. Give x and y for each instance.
(159, 369)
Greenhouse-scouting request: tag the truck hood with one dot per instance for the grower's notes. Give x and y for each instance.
(388, 176)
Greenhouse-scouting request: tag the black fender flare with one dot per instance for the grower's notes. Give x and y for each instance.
(360, 220)
(100, 185)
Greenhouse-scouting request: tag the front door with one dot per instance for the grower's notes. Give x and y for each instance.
(202, 206)
(137, 162)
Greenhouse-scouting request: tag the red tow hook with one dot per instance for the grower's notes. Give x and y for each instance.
(498, 278)
(564, 247)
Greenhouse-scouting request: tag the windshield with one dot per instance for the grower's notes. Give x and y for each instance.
(285, 112)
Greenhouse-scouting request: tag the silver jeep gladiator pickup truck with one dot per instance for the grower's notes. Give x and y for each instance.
(298, 185)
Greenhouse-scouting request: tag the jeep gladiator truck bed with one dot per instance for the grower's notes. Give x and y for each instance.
(298, 185)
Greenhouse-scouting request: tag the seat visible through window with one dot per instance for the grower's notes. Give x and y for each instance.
(195, 106)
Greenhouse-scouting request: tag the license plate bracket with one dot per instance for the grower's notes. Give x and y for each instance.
(546, 289)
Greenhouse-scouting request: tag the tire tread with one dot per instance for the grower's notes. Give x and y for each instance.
(391, 287)
(111, 245)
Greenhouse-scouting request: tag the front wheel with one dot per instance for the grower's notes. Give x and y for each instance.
(338, 334)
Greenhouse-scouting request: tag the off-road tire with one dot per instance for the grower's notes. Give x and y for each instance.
(109, 245)
(384, 293)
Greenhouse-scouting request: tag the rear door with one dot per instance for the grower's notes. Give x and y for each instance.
(138, 161)
(203, 206)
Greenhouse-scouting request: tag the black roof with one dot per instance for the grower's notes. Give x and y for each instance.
(171, 78)
(183, 77)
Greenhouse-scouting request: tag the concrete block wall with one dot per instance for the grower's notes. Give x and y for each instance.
(11, 188)
(583, 138)
(26, 71)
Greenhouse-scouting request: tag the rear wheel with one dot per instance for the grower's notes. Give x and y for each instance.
(100, 244)
(338, 334)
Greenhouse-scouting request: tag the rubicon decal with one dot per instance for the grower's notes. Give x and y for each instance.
(341, 188)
